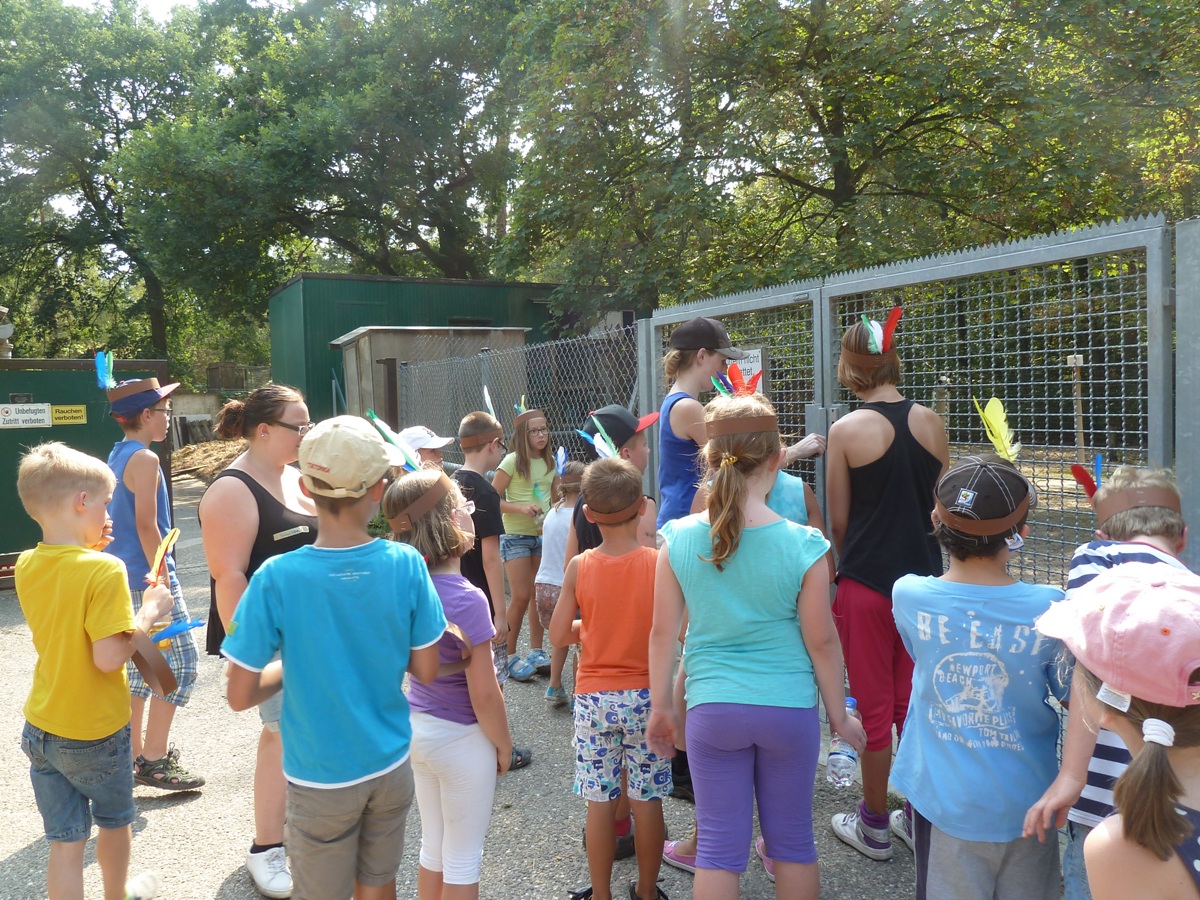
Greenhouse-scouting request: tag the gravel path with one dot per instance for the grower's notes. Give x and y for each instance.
(197, 841)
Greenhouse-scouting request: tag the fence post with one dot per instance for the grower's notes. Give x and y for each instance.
(1187, 373)
(1160, 388)
(648, 399)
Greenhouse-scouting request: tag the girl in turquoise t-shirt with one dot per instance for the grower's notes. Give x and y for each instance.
(760, 645)
(527, 484)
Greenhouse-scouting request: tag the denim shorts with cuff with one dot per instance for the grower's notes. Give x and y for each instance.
(519, 546)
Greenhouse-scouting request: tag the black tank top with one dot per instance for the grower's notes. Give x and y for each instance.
(888, 532)
(279, 530)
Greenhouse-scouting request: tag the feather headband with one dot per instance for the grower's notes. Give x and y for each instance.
(740, 425)
(879, 342)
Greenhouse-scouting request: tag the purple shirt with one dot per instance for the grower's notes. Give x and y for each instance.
(448, 697)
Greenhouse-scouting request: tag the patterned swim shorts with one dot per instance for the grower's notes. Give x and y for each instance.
(610, 738)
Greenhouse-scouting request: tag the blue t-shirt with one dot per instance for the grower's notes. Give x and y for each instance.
(980, 740)
(787, 498)
(343, 621)
(743, 641)
(126, 544)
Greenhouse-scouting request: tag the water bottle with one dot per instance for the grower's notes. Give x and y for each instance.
(842, 759)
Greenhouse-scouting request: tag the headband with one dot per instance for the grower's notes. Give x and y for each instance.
(870, 360)
(982, 527)
(616, 518)
(570, 480)
(478, 440)
(1131, 498)
(527, 415)
(404, 520)
(740, 425)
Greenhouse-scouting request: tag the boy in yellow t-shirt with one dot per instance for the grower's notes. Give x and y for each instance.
(76, 602)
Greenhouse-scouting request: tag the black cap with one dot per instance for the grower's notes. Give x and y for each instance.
(619, 423)
(705, 334)
(984, 497)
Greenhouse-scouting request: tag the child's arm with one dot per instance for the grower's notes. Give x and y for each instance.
(817, 521)
(564, 627)
(423, 663)
(648, 525)
(500, 482)
(1064, 791)
(110, 653)
(493, 571)
(837, 484)
(141, 476)
(664, 725)
(248, 688)
(488, 703)
(825, 650)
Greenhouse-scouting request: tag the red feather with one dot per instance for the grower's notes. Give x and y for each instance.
(737, 379)
(889, 327)
(753, 383)
(1084, 477)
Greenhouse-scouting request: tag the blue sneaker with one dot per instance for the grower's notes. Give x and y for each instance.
(558, 696)
(520, 669)
(539, 660)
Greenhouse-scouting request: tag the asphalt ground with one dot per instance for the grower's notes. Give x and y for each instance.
(197, 841)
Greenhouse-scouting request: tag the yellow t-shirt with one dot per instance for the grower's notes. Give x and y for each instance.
(535, 489)
(71, 597)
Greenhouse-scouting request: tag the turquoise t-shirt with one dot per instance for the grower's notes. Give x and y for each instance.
(743, 641)
(344, 622)
(980, 740)
(787, 498)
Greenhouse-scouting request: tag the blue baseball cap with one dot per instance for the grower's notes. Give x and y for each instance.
(131, 397)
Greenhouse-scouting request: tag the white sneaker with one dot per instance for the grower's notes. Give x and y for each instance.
(874, 843)
(270, 872)
(901, 826)
(142, 887)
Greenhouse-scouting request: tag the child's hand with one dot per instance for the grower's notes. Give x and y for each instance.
(533, 510)
(106, 537)
(661, 732)
(501, 624)
(850, 730)
(1052, 807)
(504, 759)
(157, 603)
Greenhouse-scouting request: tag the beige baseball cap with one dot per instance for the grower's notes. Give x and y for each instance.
(348, 454)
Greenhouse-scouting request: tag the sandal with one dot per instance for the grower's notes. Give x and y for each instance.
(166, 773)
(520, 758)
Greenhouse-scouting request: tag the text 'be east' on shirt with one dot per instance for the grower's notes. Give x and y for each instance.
(344, 621)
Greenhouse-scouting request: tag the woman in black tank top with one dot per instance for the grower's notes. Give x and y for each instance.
(252, 511)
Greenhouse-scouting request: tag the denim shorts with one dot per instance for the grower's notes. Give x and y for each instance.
(76, 781)
(519, 546)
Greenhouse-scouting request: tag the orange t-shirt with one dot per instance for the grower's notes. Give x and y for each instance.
(616, 604)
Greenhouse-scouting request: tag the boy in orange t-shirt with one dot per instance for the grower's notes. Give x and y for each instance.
(611, 590)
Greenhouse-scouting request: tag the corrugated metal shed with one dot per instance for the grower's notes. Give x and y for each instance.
(311, 310)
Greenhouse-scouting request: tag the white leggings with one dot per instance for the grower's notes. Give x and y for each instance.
(454, 768)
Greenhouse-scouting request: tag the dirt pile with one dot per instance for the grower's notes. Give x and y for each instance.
(206, 460)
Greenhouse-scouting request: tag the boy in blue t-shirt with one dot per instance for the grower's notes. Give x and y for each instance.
(980, 739)
(349, 615)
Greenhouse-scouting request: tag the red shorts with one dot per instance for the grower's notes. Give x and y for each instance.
(879, 667)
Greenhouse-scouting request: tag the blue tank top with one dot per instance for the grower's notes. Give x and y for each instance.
(679, 466)
(126, 546)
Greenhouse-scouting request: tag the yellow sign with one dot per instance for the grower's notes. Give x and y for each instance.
(68, 415)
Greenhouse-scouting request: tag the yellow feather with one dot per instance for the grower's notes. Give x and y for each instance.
(998, 432)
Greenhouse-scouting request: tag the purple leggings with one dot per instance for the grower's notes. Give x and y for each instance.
(738, 752)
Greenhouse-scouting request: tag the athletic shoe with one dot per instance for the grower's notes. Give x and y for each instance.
(269, 871)
(900, 822)
(659, 894)
(519, 669)
(539, 660)
(672, 857)
(768, 863)
(142, 887)
(874, 843)
(557, 695)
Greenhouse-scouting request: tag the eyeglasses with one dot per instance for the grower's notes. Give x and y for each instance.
(502, 444)
(162, 409)
(538, 432)
(301, 430)
(468, 508)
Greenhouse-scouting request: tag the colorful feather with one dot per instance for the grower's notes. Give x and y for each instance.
(889, 327)
(874, 334)
(520, 407)
(412, 462)
(604, 444)
(177, 628)
(602, 449)
(720, 387)
(487, 402)
(104, 370)
(996, 423)
(1099, 470)
(159, 569)
(1085, 479)
(560, 460)
(737, 379)
(754, 380)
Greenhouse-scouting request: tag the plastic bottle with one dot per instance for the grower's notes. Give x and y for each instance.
(842, 760)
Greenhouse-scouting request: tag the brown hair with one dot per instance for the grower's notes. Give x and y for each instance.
(676, 361)
(730, 458)
(611, 485)
(52, 473)
(1158, 521)
(436, 535)
(522, 449)
(1147, 793)
(571, 467)
(858, 378)
(475, 423)
(239, 418)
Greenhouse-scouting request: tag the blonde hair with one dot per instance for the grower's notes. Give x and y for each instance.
(611, 485)
(730, 458)
(677, 361)
(859, 378)
(571, 467)
(436, 535)
(1158, 521)
(52, 473)
(1147, 793)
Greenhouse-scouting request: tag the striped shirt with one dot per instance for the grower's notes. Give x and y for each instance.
(1110, 757)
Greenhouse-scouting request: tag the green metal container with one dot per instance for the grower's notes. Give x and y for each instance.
(311, 310)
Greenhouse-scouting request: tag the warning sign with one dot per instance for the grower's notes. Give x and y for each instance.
(68, 415)
(25, 415)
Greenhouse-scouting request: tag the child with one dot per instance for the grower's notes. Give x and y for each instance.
(527, 484)
(611, 588)
(349, 615)
(1134, 633)
(427, 444)
(980, 741)
(77, 736)
(141, 514)
(1138, 513)
(760, 645)
(482, 441)
(555, 531)
(460, 728)
(883, 461)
